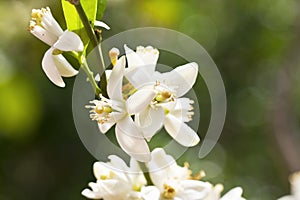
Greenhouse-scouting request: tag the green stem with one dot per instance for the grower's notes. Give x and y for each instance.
(85, 21)
(146, 173)
(86, 69)
(91, 78)
(94, 41)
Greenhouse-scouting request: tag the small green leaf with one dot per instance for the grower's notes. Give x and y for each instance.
(101, 8)
(73, 20)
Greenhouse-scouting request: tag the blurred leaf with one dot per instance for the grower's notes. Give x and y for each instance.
(73, 20)
(20, 107)
(101, 8)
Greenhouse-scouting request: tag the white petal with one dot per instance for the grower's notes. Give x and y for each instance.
(43, 35)
(183, 109)
(194, 190)
(139, 100)
(51, 24)
(63, 66)
(114, 85)
(180, 132)
(149, 55)
(105, 126)
(50, 69)
(182, 78)
(150, 121)
(215, 192)
(150, 193)
(140, 77)
(233, 194)
(100, 169)
(160, 167)
(69, 41)
(90, 194)
(131, 140)
(133, 58)
(101, 24)
(290, 197)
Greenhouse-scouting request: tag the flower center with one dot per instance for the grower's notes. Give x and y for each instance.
(101, 110)
(163, 96)
(164, 93)
(169, 192)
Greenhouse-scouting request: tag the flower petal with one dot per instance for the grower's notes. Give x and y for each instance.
(69, 41)
(183, 77)
(183, 109)
(50, 69)
(90, 194)
(140, 77)
(160, 167)
(149, 55)
(101, 24)
(50, 24)
(150, 121)
(43, 35)
(150, 193)
(131, 140)
(100, 169)
(194, 190)
(139, 100)
(180, 132)
(104, 127)
(63, 66)
(233, 194)
(289, 197)
(114, 85)
(133, 58)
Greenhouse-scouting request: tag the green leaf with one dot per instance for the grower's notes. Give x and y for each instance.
(101, 8)
(73, 20)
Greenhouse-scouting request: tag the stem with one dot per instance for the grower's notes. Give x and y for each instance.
(86, 69)
(91, 78)
(146, 173)
(85, 21)
(94, 41)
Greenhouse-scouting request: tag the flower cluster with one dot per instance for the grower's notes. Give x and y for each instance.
(154, 99)
(140, 101)
(117, 181)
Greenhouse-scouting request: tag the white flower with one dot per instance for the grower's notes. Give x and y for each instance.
(173, 181)
(233, 194)
(114, 111)
(45, 27)
(295, 188)
(117, 181)
(167, 108)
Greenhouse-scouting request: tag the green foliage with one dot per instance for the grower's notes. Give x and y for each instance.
(101, 8)
(73, 19)
(71, 16)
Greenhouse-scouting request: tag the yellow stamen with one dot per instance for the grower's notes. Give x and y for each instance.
(166, 94)
(169, 192)
(99, 109)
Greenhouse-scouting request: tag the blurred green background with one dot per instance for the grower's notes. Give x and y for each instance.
(256, 46)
